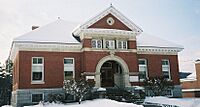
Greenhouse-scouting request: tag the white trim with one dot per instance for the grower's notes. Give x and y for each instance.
(50, 47)
(168, 66)
(158, 50)
(188, 80)
(37, 81)
(107, 34)
(115, 13)
(121, 62)
(190, 90)
(146, 66)
(107, 50)
(73, 65)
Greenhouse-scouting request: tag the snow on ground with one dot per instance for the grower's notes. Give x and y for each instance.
(181, 102)
(89, 103)
(7, 106)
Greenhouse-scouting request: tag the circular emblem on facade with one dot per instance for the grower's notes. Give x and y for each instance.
(110, 21)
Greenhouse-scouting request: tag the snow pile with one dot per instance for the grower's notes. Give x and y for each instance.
(181, 102)
(7, 106)
(93, 103)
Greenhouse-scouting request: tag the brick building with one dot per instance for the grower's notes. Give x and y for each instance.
(191, 84)
(108, 49)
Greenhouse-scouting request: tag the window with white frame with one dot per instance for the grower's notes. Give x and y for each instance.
(35, 98)
(68, 68)
(96, 43)
(121, 44)
(37, 69)
(110, 44)
(142, 69)
(166, 69)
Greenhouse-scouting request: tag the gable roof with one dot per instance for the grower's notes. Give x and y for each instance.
(146, 40)
(59, 31)
(115, 13)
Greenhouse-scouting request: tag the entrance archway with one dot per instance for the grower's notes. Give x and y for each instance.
(111, 74)
(110, 77)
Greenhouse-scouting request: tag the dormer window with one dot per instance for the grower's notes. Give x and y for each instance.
(96, 43)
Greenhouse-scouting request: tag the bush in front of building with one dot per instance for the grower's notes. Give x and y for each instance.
(158, 86)
(79, 88)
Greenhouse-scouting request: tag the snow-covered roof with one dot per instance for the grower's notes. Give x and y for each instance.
(59, 31)
(146, 40)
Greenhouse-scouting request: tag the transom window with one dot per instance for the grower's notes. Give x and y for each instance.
(122, 44)
(142, 69)
(110, 44)
(68, 68)
(96, 43)
(166, 69)
(37, 69)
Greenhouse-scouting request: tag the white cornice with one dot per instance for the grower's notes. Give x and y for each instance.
(109, 50)
(158, 50)
(107, 33)
(111, 10)
(50, 47)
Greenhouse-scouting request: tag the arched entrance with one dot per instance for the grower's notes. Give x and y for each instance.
(111, 74)
(112, 71)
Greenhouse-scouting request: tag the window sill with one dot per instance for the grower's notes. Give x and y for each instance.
(37, 82)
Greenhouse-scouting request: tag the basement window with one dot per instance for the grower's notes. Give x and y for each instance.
(36, 98)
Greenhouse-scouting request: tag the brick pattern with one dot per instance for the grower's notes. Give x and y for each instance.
(132, 45)
(87, 43)
(155, 66)
(53, 68)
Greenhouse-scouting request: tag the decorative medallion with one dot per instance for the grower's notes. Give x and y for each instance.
(110, 21)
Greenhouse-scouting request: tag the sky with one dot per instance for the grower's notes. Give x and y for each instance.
(177, 21)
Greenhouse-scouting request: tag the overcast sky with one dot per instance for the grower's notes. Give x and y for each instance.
(174, 20)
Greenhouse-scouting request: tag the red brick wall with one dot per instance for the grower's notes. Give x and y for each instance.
(53, 68)
(132, 45)
(84, 62)
(91, 59)
(103, 24)
(130, 59)
(87, 43)
(155, 69)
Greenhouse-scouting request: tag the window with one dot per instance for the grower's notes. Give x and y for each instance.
(110, 44)
(166, 69)
(142, 69)
(68, 68)
(37, 69)
(122, 44)
(37, 98)
(96, 43)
